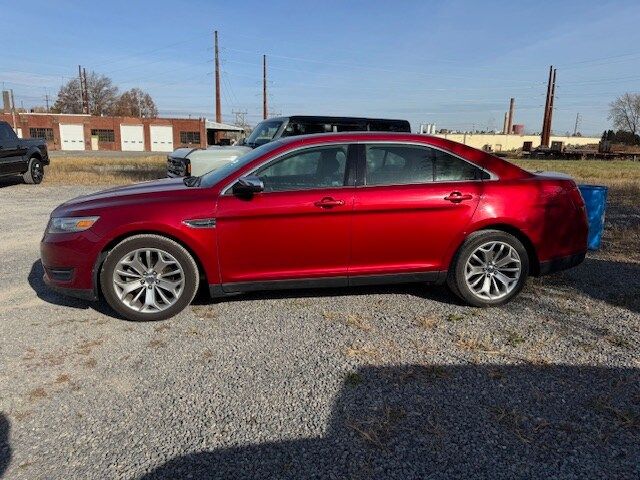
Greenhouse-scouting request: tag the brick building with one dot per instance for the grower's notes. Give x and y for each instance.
(87, 132)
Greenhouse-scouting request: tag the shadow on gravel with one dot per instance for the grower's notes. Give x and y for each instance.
(413, 422)
(5, 446)
(45, 293)
(427, 292)
(11, 181)
(617, 283)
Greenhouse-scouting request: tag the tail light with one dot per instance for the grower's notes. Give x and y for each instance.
(576, 196)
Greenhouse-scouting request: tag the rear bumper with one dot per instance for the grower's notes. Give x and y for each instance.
(562, 263)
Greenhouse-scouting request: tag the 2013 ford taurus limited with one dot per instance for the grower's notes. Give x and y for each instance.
(320, 210)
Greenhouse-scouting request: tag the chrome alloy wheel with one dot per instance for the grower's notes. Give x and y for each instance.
(148, 280)
(493, 270)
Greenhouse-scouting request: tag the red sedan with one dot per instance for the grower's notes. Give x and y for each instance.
(321, 210)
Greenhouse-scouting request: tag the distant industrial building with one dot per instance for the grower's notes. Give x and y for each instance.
(499, 142)
(87, 132)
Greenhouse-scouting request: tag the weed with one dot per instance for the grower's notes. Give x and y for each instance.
(455, 317)
(618, 341)
(474, 344)
(357, 321)
(91, 363)
(377, 429)
(157, 343)
(63, 378)
(37, 394)
(512, 419)
(428, 322)
(514, 339)
(362, 352)
(353, 379)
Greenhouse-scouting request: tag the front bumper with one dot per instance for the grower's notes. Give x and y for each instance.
(561, 263)
(69, 264)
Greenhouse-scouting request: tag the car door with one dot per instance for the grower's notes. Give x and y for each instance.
(414, 201)
(9, 150)
(296, 230)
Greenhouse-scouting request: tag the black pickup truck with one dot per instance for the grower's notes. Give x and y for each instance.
(26, 157)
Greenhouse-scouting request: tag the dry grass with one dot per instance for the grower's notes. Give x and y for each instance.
(366, 352)
(606, 172)
(379, 428)
(105, 170)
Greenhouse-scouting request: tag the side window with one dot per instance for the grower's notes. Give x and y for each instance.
(453, 169)
(412, 164)
(322, 167)
(6, 132)
(398, 164)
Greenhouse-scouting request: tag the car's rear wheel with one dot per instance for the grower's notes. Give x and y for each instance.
(489, 269)
(148, 278)
(35, 171)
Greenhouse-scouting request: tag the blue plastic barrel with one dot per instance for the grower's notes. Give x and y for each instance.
(595, 199)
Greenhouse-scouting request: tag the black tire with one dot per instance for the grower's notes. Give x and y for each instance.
(35, 172)
(456, 274)
(181, 255)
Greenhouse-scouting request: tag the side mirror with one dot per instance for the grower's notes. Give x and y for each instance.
(247, 186)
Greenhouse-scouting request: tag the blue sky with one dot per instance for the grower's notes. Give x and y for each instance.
(454, 63)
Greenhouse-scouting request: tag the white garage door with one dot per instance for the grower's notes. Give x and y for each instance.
(131, 138)
(72, 137)
(161, 138)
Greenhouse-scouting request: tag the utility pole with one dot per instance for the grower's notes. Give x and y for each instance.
(13, 112)
(265, 111)
(551, 102)
(46, 99)
(510, 121)
(544, 141)
(86, 90)
(575, 128)
(217, 75)
(81, 87)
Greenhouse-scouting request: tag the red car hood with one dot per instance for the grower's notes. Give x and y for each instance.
(155, 189)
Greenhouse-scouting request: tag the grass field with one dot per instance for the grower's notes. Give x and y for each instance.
(89, 170)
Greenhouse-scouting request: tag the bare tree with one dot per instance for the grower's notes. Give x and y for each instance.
(625, 112)
(135, 103)
(102, 96)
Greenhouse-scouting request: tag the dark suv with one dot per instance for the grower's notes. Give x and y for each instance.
(274, 128)
(18, 156)
(185, 162)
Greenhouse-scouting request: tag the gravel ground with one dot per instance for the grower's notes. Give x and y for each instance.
(399, 382)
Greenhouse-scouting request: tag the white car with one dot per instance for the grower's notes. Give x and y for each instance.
(185, 162)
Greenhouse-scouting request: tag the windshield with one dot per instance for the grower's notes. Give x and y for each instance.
(215, 176)
(263, 133)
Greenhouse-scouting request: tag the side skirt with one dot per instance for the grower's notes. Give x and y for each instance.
(227, 289)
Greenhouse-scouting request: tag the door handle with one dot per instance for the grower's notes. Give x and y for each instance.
(328, 202)
(457, 197)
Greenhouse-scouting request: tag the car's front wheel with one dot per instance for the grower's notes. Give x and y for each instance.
(489, 269)
(35, 171)
(148, 277)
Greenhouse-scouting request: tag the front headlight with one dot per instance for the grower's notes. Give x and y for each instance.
(71, 224)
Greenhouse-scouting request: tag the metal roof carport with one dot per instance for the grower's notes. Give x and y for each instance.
(215, 128)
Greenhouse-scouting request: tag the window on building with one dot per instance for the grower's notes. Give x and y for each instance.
(46, 133)
(190, 137)
(103, 135)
